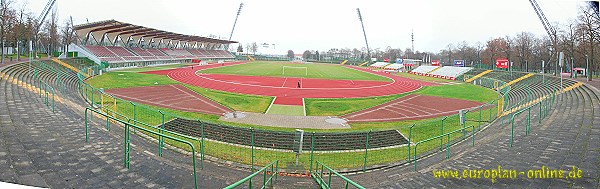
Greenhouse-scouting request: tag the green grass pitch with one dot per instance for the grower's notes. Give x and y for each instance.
(315, 70)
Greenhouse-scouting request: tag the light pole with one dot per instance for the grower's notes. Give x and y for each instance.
(234, 22)
(364, 33)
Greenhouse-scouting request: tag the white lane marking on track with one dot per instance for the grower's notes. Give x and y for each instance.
(284, 82)
(404, 118)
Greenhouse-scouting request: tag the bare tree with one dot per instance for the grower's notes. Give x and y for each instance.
(3, 23)
(306, 54)
(254, 47)
(590, 26)
(523, 47)
(68, 36)
(290, 54)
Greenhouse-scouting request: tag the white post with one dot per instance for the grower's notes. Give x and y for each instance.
(543, 71)
(587, 68)
(560, 60)
(30, 56)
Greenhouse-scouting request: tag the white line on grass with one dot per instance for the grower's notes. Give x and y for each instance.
(269, 108)
(304, 106)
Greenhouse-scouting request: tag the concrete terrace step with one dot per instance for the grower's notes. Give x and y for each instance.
(46, 149)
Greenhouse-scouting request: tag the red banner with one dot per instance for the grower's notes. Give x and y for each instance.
(435, 62)
(386, 60)
(502, 63)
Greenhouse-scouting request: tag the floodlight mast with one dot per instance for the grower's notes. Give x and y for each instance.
(364, 33)
(234, 22)
(549, 29)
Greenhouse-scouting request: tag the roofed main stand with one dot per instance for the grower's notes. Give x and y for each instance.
(119, 42)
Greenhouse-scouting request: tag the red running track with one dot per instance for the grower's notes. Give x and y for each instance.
(412, 107)
(287, 87)
(180, 98)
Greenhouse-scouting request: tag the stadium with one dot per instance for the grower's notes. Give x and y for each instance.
(123, 105)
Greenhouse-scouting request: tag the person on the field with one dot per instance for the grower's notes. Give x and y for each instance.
(298, 83)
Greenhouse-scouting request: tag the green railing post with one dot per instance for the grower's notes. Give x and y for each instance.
(442, 131)
(410, 136)
(202, 144)
(312, 150)
(473, 137)
(512, 130)
(527, 120)
(540, 106)
(162, 131)
(276, 169)
(93, 103)
(366, 151)
(128, 147)
(86, 125)
(53, 99)
(252, 142)
(447, 148)
(491, 109)
(480, 119)
(134, 114)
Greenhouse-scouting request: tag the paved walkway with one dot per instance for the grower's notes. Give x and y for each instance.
(312, 122)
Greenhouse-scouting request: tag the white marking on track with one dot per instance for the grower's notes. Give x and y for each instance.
(284, 82)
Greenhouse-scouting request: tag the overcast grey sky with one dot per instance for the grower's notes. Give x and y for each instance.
(325, 24)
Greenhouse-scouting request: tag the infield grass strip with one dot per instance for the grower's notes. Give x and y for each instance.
(114, 80)
(286, 110)
(342, 106)
(275, 69)
(462, 91)
(239, 102)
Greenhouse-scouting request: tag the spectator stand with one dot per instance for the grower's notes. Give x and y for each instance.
(122, 45)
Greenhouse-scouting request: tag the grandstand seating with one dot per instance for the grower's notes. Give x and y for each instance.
(379, 64)
(285, 140)
(424, 69)
(393, 67)
(141, 52)
(100, 51)
(116, 54)
(450, 72)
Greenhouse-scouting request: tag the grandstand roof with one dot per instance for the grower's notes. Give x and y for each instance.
(116, 28)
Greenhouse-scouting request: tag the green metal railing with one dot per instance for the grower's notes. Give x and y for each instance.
(274, 166)
(45, 91)
(318, 176)
(126, 155)
(528, 119)
(448, 144)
